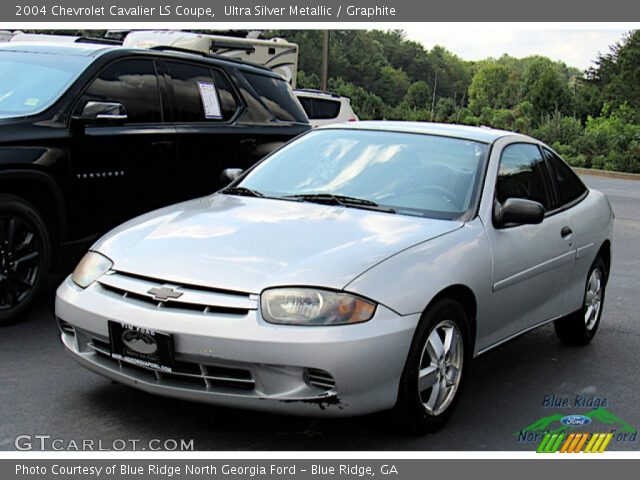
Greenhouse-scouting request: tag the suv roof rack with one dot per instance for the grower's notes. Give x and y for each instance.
(98, 40)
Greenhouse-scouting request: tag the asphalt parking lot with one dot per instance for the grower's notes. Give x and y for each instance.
(43, 392)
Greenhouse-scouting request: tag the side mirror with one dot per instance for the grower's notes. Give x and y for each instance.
(517, 211)
(107, 112)
(230, 175)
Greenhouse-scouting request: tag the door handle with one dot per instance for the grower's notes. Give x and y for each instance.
(566, 232)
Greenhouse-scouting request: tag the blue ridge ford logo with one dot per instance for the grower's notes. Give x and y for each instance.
(139, 342)
(575, 420)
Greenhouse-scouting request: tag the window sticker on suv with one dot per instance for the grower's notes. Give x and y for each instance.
(209, 98)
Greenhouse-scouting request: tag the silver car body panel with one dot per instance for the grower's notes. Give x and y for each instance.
(365, 360)
(222, 251)
(244, 243)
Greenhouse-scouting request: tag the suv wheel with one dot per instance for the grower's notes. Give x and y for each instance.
(25, 256)
(435, 369)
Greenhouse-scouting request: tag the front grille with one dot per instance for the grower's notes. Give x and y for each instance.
(190, 373)
(135, 289)
(172, 304)
(320, 379)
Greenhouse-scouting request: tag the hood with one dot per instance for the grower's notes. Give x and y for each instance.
(248, 244)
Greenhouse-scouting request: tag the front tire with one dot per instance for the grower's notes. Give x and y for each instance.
(580, 327)
(435, 369)
(25, 257)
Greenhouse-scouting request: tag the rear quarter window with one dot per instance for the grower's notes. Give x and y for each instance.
(277, 95)
(320, 108)
(570, 187)
(325, 109)
(185, 80)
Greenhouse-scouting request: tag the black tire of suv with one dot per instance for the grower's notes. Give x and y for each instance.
(28, 219)
(573, 329)
(409, 414)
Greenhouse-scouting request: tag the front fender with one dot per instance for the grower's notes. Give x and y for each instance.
(409, 280)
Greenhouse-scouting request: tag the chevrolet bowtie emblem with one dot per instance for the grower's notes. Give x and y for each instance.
(164, 293)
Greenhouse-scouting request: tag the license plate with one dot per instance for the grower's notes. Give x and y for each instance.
(141, 346)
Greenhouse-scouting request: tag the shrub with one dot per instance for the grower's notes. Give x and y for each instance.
(558, 128)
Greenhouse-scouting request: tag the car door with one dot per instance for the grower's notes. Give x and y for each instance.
(531, 263)
(204, 107)
(123, 168)
(570, 191)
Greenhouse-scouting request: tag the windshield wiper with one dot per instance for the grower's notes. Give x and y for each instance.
(342, 200)
(242, 191)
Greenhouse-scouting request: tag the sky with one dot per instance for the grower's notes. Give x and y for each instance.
(577, 47)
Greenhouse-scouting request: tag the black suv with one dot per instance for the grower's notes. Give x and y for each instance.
(91, 135)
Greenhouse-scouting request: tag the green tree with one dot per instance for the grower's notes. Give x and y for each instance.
(367, 105)
(307, 80)
(544, 86)
(418, 95)
(444, 110)
(617, 73)
(487, 87)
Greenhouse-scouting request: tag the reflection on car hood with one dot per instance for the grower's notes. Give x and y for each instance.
(248, 244)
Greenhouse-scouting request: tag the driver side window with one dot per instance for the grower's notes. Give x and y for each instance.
(134, 84)
(523, 174)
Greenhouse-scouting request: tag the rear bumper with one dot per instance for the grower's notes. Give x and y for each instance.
(244, 362)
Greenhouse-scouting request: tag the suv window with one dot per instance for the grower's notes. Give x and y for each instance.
(569, 185)
(188, 80)
(133, 83)
(523, 174)
(320, 109)
(277, 96)
(307, 105)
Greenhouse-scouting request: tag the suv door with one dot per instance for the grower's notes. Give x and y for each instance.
(531, 263)
(126, 168)
(204, 106)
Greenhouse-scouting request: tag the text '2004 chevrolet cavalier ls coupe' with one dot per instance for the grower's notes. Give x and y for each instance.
(359, 268)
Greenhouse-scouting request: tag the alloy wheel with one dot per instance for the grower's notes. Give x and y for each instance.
(593, 299)
(440, 367)
(19, 260)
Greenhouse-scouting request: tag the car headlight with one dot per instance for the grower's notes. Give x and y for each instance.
(310, 306)
(92, 266)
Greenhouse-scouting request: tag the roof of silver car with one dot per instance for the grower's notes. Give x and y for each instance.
(478, 134)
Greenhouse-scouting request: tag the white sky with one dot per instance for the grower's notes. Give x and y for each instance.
(577, 47)
(576, 44)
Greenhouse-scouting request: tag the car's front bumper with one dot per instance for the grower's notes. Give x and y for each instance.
(242, 361)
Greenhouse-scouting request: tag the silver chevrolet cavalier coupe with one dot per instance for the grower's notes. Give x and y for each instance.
(359, 268)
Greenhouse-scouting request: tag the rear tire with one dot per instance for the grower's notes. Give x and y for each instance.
(435, 369)
(580, 327)
(25, 257)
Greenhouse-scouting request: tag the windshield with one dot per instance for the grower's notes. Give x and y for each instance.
(407, 173)
(31, 82)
